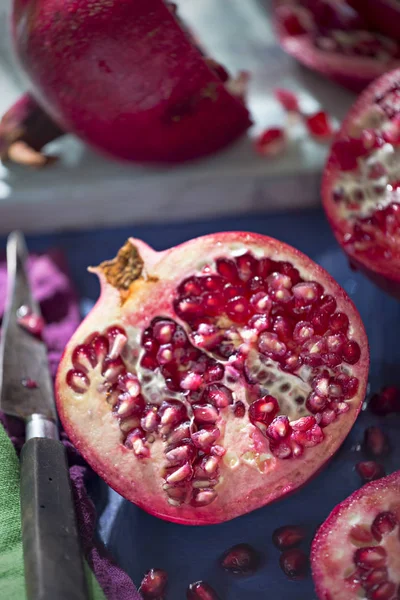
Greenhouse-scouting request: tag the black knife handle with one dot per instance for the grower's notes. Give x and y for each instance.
(54, 567)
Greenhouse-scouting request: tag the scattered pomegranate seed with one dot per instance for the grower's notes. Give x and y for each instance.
(241, 559)
(370, 470)
(153, 584)
(201, 590)
(271, 142)
(294, 563)
(287, 99)
(288, 536)
(376, 442)
(319, 125)
(31, 384)
(26, 319)
(386, 401)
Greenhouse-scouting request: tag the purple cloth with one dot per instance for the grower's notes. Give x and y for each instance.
(53, 289)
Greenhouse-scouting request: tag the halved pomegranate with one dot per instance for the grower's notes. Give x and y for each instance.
(355, 553)
(383, 15)
(330, 37)
(127, 78)
(214, 377)
(361, 185)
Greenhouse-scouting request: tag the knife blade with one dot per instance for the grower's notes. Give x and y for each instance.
(53, 561)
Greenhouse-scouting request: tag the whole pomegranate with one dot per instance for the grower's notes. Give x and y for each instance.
(214, 377)
(330, 37)
(355, 553)
(361, 184)
(126, 77)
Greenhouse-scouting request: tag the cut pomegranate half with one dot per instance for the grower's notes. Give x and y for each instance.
(361, 185)
(328, 36)
(211, 379)
(383, 15)
(355, 553)
(127, 78)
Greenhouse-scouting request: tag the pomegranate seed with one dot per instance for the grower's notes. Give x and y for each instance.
(383, 524)
(180, 455)
(128, 406)
(118, 339)
(384, 591)
(227, 269)
(347, 151)
(375, 442)
(218, 395)
(288, 100)
(319, 125)
(279, 429)
(205, 438)
(33, 324)
(316, 403)
(77, 381)
(302, 332)
(83, 358)
(370, 557)
(188, 308)
(181, 474)
(238, 309)
(370, 470)
(310, 438)
(288, 536)
(270, 345)
(271, 142)
(284, 450)
(150, 420)
(294, 563)
(386, 401)
(351, 352)
(135, 442)
(153, 584)
(239, 409)
(263, 410)
(201, 590)
(372, 578)
(283, 328)
(261, 302)
(179, 433)
(205, 413)
(240, 559)
(349, 385)
(190, 287)
(320, 322)
(265, 266)
(204, 497)
(360, 535)
(291, 22)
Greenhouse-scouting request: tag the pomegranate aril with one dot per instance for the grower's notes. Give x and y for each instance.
(172, 413)
(247, 266)
(320, 322)
(165, 354)
(113, 369)
(191, 287)
(205, 438)
(384, 591)
(100, 348)
(204, 497)
(181, 474)
(241, 559)
(135, 441)
(348, 384)
(347, 151)
(307, 292)
(270, 345)
(328, 416)
(271, 142)
(370, 470)
(319, 125)
(351, 352)
(288, 537)
(205, 413)
(201, 590)
(153, 584)
(33, 324)
(326, 305)
(370, 557)
(310, 438)
(283, 328)
(191, 381)
(259, 323)
(291, 22)
(130, 384)
(238, 309)
(302, 332)
(30, 384)
(360, 535)
(372, 578)
(128, 405)
(117, 341)
(263, 410)
(227, 269)
(179, 433)
(215, 372)
(189, 308)
(375, 442)
(261, 302)
(77, 381)
(83, 358)
(279, 429)
(294, 563)
(383, 524)
(218, 395)
(181, 454)
(284, 449)
(239, 409)
(386, 401)
(287, 99)
(150, 420)
(264, 267)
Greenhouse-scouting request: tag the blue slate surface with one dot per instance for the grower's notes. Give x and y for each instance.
(139, 541)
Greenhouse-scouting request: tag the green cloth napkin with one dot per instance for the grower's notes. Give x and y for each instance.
(12, 585)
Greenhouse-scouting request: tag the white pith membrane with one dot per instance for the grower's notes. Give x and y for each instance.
(366, 196)
(356, 552)
(339, 33)
(250, 364)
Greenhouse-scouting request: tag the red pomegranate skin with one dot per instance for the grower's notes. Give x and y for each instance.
(140, 285)
(383, 271)
(125, 78)
(383, 15)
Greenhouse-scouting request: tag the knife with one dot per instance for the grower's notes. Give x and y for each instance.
(54, 568)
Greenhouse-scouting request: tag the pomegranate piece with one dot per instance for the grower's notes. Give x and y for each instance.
(361, 183)
(386, 401)
(376, 443)
(271, 142)
(192, 114)
(288, 100)
(319, 125)
(241, 559)
(31, 384)
(332, 39)
(29, 321)
(370, 470)
(201, 590)
(164, 397)
(153, 584)
(294, 563)
(365, 561)
(288, 536)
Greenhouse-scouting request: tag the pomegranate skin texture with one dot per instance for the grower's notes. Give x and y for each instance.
(355, 553)
(126, 78)
(361, 183)
(334, 40)
(212, 378)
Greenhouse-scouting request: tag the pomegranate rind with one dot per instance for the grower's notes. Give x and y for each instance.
(331, 552)
(354, 73)
(126, 78)
(94, 430)
(384, 273)
(384, 15)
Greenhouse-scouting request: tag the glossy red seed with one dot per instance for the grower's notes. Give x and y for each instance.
(294, 563)
(77, 381)
(372, 578)
(241, 559)
(279, 429)
(351, 352)
(370, 470)
(319, 125)
(238, 309)
(360, 535)
(291, 23)
(239, 409)
(347, 151)
(375, 442)
(153, 584)
(370, 557)
(386, 401)
(218, 395)
(384, 591)
(287, 99)
(30, 384)
(227, 268)
(288, 536)
(201, 590)
(272, 142)
(383, 524)
(263, 410)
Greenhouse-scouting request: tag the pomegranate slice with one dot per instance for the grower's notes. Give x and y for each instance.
(127, 78)
(361, 186)
(183, 404)
(383, 15)
(328, 36)
(355, 553)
